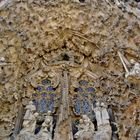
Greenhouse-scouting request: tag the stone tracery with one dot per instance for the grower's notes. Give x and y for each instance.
(47, 98)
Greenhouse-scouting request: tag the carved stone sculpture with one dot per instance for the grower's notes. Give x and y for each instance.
(105, 115)
(135, 71)
(34, 32)
(97, 111)
(46, 130)
(27, 133)
(102, 115)
(29, 123)
(49, 117)
(104, 134)
(85, 129)
(134, 66)
(104, 129)
(89, 125)
(80, 129)
(30, 110)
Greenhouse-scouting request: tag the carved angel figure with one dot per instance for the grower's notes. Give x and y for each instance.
(132, 68)
(46, 130)
(85, 129)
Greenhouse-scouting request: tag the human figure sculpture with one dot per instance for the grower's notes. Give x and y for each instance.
(30, 110)
(135, 71)
(89, 126)
(46, 129)
(105, 115)
(97, 111)
(102, 115)
(104, 129)
(80, 127)
(49, 117)
(85, 129)
(27, 133)
(134, 66)
(29, 123)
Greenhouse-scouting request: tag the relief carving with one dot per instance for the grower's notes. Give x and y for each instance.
(46, 129)
(104, 130)
(40, 39)
(85, 129)
(29, 123)
(132, 68)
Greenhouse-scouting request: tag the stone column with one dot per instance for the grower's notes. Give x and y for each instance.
(18, 123)
(63, 127)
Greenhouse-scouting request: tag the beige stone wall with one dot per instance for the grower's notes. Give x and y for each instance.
(32, 33)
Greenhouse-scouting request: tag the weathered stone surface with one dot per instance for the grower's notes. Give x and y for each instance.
(34, 32)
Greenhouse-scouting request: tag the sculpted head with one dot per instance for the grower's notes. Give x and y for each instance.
(81, 121)
(84, 116)
(132, 61)
(103, 105)
(36, 114)
(47, 120)
(49, 113)
(30, 103)
(97, 104)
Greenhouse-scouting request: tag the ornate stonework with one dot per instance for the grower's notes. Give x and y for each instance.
(67, 67)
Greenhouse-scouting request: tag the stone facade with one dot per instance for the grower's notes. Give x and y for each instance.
(66, 56)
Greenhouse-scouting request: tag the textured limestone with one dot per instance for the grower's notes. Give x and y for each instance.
(33, 32)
